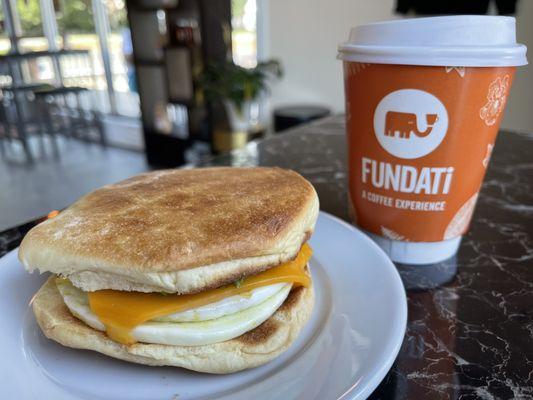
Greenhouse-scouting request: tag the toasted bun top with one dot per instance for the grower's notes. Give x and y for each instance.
(176, 230)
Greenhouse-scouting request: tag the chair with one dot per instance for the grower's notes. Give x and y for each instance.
(62, 110)
(18, 114)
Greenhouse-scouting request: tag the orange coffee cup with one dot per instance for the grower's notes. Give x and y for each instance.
(424, 100)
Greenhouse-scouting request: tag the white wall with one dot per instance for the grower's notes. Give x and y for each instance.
(304, 35)
(519, 111)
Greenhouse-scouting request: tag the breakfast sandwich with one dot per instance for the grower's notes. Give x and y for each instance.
(205, 269)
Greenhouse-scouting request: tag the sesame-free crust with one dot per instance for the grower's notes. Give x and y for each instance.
(179, 231)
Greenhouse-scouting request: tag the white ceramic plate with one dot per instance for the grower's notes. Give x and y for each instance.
(344, 352)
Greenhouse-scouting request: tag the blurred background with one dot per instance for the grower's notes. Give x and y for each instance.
(93, 91)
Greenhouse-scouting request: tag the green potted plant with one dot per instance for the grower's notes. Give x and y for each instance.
(238, 88)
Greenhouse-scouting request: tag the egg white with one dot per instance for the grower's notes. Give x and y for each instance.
(233, 316)
(212, 331)
(229, 305)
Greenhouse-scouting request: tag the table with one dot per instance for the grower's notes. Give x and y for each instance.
(23, 109)
(470, 326)
(14, 59)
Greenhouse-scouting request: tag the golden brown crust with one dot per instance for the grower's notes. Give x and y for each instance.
(268, 329)
(250, 350)
(161, 224)
(292, 299)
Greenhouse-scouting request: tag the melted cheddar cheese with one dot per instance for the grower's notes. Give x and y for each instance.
(121, 312)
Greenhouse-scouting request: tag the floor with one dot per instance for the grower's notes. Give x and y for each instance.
(125, 132)
(56, 179)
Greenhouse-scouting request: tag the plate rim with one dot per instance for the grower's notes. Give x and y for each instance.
(398, 340)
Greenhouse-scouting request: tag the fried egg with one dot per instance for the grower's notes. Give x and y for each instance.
(212, 323)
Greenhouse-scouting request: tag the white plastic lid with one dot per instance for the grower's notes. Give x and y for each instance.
(463, 40)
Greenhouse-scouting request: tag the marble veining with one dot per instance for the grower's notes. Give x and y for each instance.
(470, 327)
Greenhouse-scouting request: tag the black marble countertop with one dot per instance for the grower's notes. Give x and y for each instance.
(470, 326)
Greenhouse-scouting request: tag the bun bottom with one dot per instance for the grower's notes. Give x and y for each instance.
(252, 349)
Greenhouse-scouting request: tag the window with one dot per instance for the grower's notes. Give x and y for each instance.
(99, 27)
(244, 32)
(29, 15)
(5, 44)
(121, 58)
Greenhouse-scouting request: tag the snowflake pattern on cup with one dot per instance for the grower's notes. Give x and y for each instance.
(460, 221)
(354, 68)
(496, 97)
(461, 71)
(350, 69)
(390, 234)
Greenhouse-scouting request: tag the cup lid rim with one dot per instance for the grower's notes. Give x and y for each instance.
(462, 40)
(495, 56)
